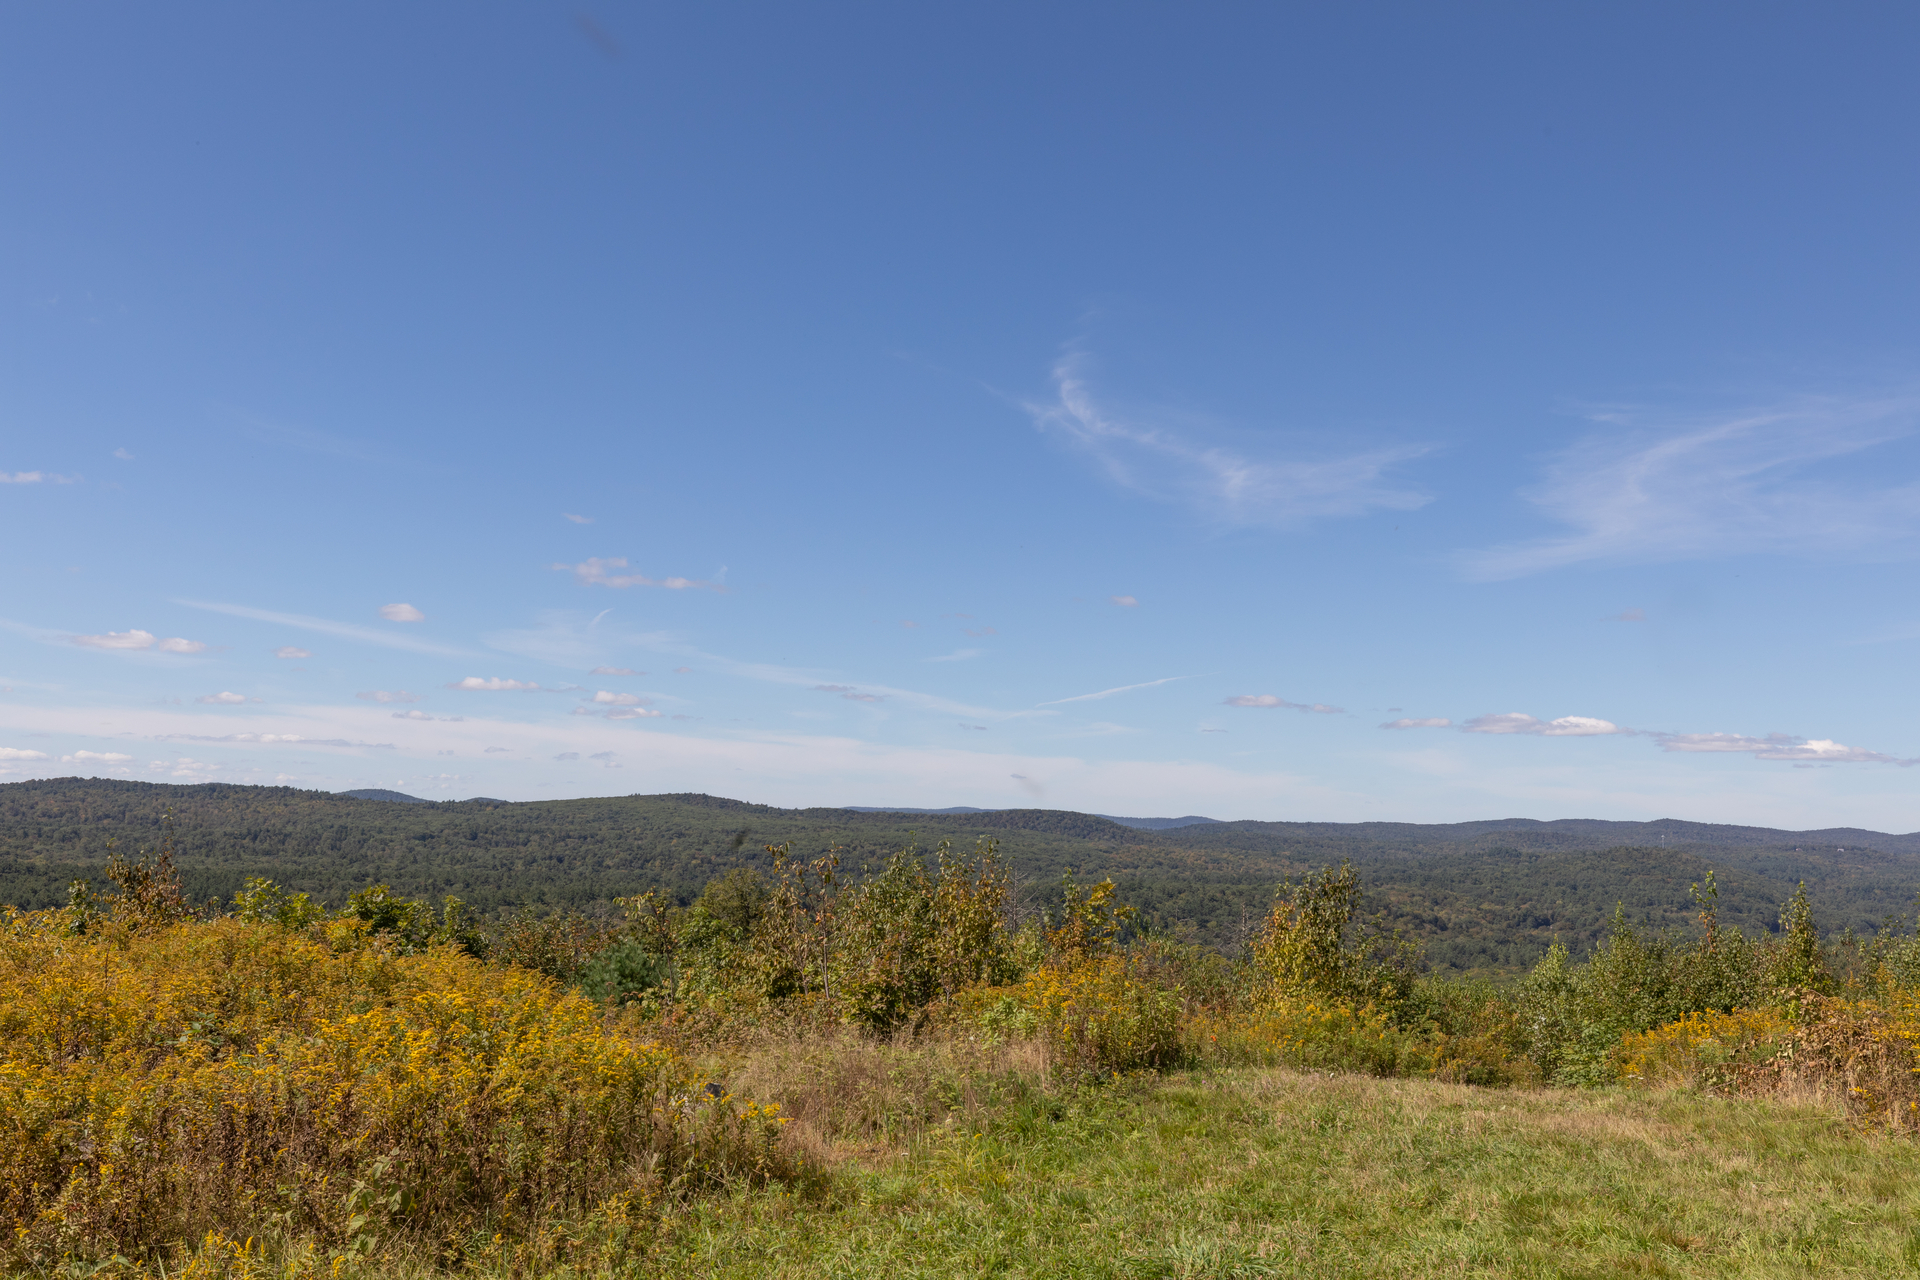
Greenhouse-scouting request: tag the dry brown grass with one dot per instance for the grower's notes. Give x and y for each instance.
(850, 1095)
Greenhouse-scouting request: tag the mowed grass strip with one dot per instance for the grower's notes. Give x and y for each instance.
(1266, 1172)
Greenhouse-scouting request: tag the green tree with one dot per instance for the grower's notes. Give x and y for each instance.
(1310, 943)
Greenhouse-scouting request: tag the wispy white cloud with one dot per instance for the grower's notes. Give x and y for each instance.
(36, 477)
(494, 684)
(615, 671)
(595, 571)
(21, 753)
(852, 693)
(123, 455)
(619, 699)
(326, 626)
(1269, 701)
(1108, 693)
(1639, 491)
(1222, 485)
(291, 651)
(1125, 602)
(270, 739)
(981, 633)
(568, 638)
(135, 639)
(138, 639)
(1777, 746)
(401, 613)
(96, 757)
(958, 655)
(387, 695)
(189, 768)
(1773, 746)
(632, 713)
(773, 673)
(225, 699)
(576, 519)
(1564, 727)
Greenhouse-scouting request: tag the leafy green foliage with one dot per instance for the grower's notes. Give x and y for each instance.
(625, 970)
(412, 925)
(261, 901)
(1310, 944)
(883, 948)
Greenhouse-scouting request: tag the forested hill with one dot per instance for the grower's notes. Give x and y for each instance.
(1566, 833)
(1481, 894)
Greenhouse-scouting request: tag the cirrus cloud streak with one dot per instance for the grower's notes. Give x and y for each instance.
(597, 572)
(1221, 484)
(1734, 484)
(1270, 702)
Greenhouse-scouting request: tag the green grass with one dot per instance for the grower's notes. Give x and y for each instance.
(1257, 1173)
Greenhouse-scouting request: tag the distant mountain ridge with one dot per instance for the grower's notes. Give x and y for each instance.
(1486, 896)
(1138, 824)
(1582, 832)
(401, 797)
(377, 793)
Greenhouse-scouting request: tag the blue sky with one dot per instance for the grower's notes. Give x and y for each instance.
(1122, 408)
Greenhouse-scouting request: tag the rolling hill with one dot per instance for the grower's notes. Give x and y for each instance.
(1481, 895)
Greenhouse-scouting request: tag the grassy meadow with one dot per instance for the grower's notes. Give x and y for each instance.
(804, 1074)
(1271, 1172)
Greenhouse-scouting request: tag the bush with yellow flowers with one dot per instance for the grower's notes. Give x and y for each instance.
(1303, 1031)
(1099, 1013)
(1858, 1053)
(163, 1078)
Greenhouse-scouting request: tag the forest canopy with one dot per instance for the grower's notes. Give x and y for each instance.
(1489, 896)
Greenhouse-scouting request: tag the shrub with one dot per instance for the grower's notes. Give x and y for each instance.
(877, 952)
(1470, 1032)
(159, 1084)
(1572, 1017)
(1309, 946)
(1704, 1049)
(1301, 1032)
(1859, 1054)
(1796, 966)
(411, 926)
(1095, 1014)
(624, 971)
(905, 938)
(557, 945)
(262, 901)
